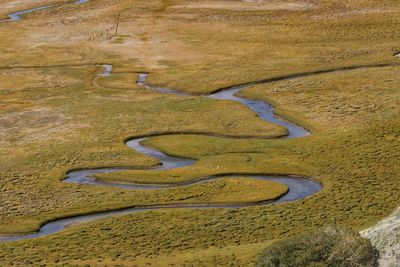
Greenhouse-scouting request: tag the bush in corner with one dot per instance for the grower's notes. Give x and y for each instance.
(328, 246)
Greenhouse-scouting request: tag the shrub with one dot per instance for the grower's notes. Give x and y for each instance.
(328, 246)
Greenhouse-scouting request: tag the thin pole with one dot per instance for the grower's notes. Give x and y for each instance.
(116, 28)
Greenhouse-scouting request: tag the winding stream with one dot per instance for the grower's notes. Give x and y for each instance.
(298, 187)
(384, 235)
(17, 15)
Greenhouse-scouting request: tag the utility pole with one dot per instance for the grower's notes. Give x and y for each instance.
(116, 27)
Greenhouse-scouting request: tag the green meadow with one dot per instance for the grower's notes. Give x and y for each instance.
(57, 114)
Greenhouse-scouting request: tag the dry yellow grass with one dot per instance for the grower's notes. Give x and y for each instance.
(54, 119)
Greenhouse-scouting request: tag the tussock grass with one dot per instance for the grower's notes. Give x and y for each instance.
(329, 246)
(53, 120)
(101, 117)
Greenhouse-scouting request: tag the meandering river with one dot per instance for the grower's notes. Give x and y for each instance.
(299, 187)
(384, 235)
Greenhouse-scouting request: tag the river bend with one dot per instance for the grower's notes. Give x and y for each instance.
(299, 187)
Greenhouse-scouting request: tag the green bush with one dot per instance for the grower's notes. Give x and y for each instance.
(328, 246)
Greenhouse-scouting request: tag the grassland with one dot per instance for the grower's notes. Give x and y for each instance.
(54, 119)
(66, 115)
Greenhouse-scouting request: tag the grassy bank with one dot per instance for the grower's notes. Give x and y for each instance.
(55, 119)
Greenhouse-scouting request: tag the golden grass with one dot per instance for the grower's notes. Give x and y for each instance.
(245, 161)
(38, 150)
(234, 190)
(54, 119)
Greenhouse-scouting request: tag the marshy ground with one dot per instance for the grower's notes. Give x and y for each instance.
(55, 116)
